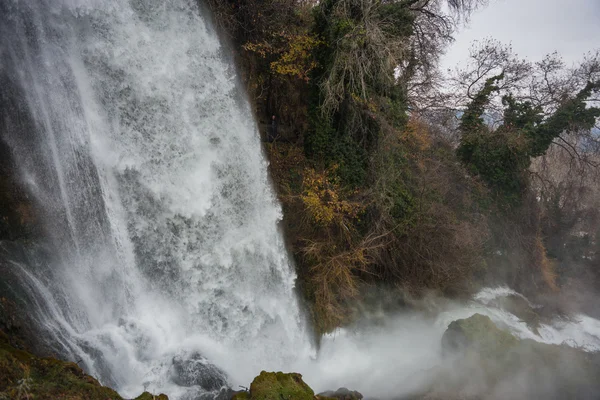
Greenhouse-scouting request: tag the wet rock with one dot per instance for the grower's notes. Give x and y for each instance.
(341, 394)
(277, 386)
(223, 394)
(195, 370)
(150, 396)
(479, 333)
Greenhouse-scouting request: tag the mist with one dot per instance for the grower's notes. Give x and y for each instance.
(402, 355)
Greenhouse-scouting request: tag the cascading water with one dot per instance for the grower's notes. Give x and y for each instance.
(148, 163)
(163, 259)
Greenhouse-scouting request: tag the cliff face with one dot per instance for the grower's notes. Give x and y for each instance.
(20, 225)
(18, 219)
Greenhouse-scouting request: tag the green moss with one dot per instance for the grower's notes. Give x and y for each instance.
(23, 375)
(480, 333)
(280, 386)
(241, 396)
(150, 396)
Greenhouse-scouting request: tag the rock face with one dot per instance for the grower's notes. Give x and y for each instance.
(24, 376)
(277, 386)
(485, 362)
(341, 394)
(195, 370)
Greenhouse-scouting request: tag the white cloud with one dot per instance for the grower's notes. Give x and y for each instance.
(534, 27)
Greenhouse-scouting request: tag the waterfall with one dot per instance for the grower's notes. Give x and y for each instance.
(162, 267)
(133, 134)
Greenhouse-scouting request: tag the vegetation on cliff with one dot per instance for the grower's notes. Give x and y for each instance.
(389, 174)
(24, 376)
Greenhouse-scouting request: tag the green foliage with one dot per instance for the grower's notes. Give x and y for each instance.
(332, 147)
(572, 115)
(471, 121)
(354, 82)
(396, 19)
(502, 157)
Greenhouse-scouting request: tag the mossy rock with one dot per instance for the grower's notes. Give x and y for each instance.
(480, 333)
(491, 360)
(150, 396)
(24, 376)
(279, 386)
(242, 395)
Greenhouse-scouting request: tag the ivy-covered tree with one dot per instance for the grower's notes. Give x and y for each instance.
(503, 155)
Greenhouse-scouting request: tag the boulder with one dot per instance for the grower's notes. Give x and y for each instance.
(195, 370)
(341, 394)
(478, 333)
(277, 386)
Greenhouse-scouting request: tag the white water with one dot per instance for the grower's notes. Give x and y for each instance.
(148, 163)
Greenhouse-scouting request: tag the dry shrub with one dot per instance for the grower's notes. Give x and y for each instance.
(366, 49)
(334, 282)
(293, 56)
(436, 241)
(517, 250)
(416, 136)
(320, 220)
(333, 248)
(338, 277)
(543, 265)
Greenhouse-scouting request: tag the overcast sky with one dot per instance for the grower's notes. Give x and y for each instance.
(534, 27)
